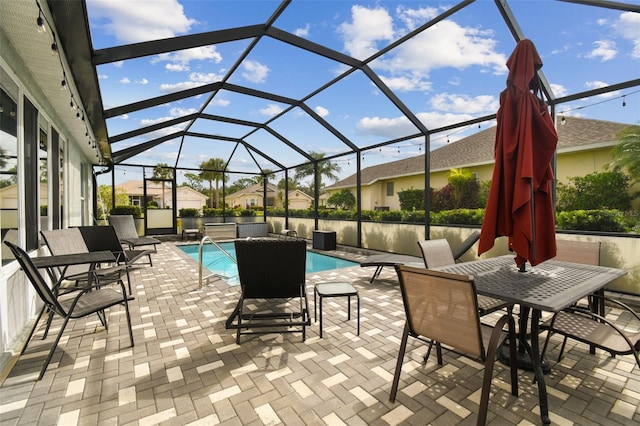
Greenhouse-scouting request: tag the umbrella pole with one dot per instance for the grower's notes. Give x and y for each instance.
(523, 267)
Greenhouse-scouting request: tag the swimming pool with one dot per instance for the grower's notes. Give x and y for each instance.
(219, 264)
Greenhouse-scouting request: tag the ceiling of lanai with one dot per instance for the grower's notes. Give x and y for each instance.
(359, 80)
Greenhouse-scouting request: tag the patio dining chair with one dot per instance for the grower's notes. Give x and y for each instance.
(272, 277)
(91, 299)
(104, 238)
(70, 241)
(125, 227)
(587, 323)
(443, 307)
(437, 253)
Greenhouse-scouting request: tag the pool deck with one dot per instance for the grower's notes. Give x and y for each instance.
(186, 368)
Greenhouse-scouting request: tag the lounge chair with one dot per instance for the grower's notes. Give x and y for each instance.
(88, 300)
(443, 307)
(272, 275)
(125, 227)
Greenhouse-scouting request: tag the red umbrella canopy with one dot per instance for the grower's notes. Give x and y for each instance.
(520, 204)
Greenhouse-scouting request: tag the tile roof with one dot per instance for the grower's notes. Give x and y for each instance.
(575, 134)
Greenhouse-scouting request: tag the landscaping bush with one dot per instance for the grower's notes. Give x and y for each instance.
(459, 217)
(416, 216)
(411, 199)
(592, 220)
(247, 212)
(211, 212)
(135, 211)
(189, 212)
(390, 216)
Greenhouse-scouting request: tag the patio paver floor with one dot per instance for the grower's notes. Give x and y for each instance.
(186, 368)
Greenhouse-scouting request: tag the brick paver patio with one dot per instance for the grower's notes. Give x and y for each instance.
(186, 368)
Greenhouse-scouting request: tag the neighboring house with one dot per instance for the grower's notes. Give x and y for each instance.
(253, 196)
(186, 197)
(584, 146)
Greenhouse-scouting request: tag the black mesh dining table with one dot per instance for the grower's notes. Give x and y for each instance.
(550, 286)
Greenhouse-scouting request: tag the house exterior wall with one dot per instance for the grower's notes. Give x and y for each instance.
(569, 164)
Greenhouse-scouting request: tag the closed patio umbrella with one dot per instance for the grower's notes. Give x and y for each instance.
(520, 203)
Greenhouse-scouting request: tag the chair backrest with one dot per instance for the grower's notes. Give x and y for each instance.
(586, 252)
(124, 225)
(67, 241)
(466, 245)
(442, 307)
(36, 279)
(101, 238)
(271, 268)
(436, 253)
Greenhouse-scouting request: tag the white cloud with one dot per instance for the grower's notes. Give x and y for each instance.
(484, 104)
(628, 26)
(125, 80)
(271, 110)
(177, 67)
(195, 79)
(599, 84)
(413, 18)
(367, 27)
(183, 57)
(321, 111)
(605, 50)
(102, 76)
(406, 83)
(220, 102)
(147, 20)
(396, 127)
(118, 64)
(559, 90)
(144, 81)
(303, 32)
(255, 71)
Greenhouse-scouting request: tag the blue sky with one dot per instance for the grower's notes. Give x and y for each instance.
(450, 73)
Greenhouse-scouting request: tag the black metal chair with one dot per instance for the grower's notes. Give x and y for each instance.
(125, 227)
(91, 299)
(443, 307)
(105, 238)
(272, 274)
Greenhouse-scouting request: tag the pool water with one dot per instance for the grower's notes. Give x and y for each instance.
(219, 264)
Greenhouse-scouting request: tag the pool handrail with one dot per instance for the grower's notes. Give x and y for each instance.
(204, 240)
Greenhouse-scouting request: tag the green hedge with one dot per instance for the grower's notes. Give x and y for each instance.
(189, 212)
(578, 220)
(135, 211)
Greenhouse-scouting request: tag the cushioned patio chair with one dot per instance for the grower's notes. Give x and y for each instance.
(272, 275)
(91, 299)
(437, 253)
(125, 227)
(443, 307)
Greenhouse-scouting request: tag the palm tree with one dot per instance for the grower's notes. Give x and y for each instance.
(325, 168)
(162, 171)
(627, 153)
(213, 170)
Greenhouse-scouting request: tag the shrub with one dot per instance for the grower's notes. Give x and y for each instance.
(459, 217)
(135, 211)
(595, 191)
(415, 216)
(411, 199)
(592, 220)
(247, 212)
(189, 212)
(211, 212)
(390, 216)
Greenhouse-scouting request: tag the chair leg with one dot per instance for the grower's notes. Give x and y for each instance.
(396, 376)
(564, 344)
(33, 329)
(53, 348)
(126, 309)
